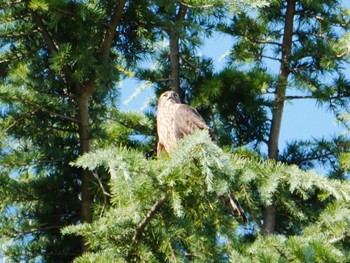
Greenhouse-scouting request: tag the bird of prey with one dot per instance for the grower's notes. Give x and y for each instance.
(175, 121)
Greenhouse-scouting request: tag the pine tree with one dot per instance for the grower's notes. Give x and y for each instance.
(303, 38)
(62, 61)
(183, 25)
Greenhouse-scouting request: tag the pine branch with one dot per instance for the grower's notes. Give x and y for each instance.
(53, 47)
(256, 41)
(46, 34)
(197, 6)
(37, 107)
(151, 213)
(38, 229)
(299, 97)
(6, 35)
(338, 239)
(318, 17)
(72, 14)
(104, 192)
(313, 97)
(272, 58)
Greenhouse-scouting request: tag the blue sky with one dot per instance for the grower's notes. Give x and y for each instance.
(302, 119)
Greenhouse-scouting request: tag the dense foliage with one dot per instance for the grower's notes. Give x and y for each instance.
(168, 209)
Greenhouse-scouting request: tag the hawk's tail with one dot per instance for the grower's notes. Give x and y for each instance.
(235, 208)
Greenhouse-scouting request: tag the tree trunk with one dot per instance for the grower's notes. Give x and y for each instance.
(174, 62)
(174, 38)
(280, 94)
(84, 147)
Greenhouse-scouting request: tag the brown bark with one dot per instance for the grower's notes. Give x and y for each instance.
(84, 139)
(111, 30)
(270, 212)
(86, 175)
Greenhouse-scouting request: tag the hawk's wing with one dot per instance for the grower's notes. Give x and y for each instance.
(187, 120)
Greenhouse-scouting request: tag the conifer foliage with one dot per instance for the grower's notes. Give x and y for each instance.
(168, 209)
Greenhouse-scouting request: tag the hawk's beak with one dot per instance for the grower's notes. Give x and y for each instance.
(172, 95)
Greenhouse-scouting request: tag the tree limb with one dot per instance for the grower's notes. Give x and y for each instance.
(196, 6)
(38, 107)
(104, 192)
(46, 35)
(257, 41)
(151, 213)
(110, 32)
(299, 97)
(53, 47)
(272, 58)
(317, 17)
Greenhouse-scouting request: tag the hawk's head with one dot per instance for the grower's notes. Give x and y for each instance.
(169, 97)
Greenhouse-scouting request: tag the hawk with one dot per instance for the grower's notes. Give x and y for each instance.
(175, 121)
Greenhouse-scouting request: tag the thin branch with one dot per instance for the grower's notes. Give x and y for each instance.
(341, 238)
(53, 47)
(313, 97)
(204, 6)
(13, 124)
(249, 204)
(40, 107)
(272, 58)
(317, 17)
(151, 213)
(195, 67)
(23, 164)
(47, 37)
(19, 35)
(257, 41)
(30, 231)
(299, 97)
(196, 6)
(105, 193)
